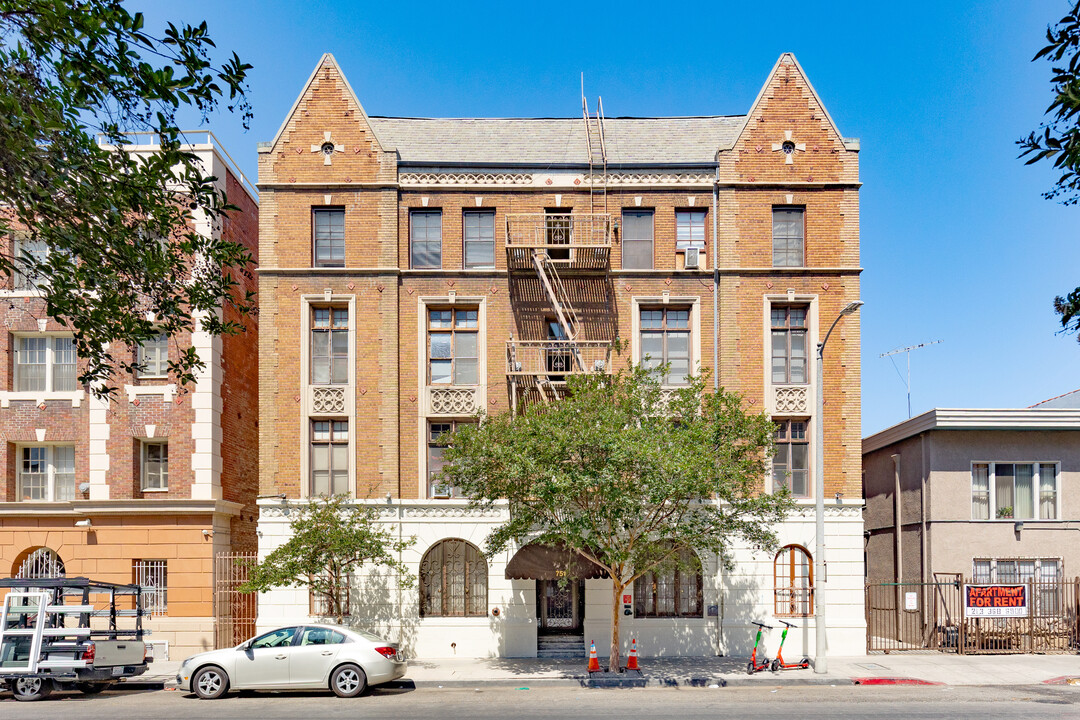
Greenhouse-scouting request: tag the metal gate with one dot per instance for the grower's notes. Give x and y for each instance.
(234, 611)
(930, 617)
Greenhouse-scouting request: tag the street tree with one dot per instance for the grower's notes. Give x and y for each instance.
(331, 537)
(624, 476)
(1058, 138)
(108, 237)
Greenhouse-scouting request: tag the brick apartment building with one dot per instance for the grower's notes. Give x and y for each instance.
(146, 488)
(416, 271)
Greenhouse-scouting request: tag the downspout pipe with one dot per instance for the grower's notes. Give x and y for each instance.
(716, 282)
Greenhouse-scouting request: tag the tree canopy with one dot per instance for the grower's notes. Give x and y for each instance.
(110, 238)
(624, 474)
(1058, 138)
(330, 538)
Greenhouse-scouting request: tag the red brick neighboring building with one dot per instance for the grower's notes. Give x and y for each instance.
(150, 486)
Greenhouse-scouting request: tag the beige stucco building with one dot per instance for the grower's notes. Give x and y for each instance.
(986, 494)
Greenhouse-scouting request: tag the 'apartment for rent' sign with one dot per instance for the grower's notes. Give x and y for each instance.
(995, 601)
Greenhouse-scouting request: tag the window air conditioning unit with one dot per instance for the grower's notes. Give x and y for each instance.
(693, 258)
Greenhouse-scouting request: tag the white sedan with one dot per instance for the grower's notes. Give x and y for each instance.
(304, 657)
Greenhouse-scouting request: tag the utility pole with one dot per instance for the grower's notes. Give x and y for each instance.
(907, 350)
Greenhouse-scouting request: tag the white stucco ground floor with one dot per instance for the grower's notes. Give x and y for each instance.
(509, 626)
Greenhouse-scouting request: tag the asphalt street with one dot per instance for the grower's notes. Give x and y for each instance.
(830, 703)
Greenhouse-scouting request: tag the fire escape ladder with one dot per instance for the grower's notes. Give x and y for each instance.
(597, 151)
(560, 302)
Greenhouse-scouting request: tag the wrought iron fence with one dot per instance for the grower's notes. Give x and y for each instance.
(234, 611)
(916, 616)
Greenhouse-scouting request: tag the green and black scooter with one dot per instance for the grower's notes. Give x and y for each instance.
(753, 666)
(778, 664)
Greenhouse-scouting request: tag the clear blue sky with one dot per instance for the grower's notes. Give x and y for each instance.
(957, 243)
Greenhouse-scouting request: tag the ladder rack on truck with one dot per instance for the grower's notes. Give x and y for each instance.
(68, 630)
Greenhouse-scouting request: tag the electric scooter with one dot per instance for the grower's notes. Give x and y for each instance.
(779, 664)
(753, 666)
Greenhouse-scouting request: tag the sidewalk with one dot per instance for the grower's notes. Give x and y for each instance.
(938, 668)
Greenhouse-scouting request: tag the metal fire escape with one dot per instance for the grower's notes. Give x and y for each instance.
(571, 243)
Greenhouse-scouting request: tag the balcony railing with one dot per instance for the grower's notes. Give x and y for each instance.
(574, 240)
(555, 359)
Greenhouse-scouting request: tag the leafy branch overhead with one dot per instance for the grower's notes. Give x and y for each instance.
(626, 475)
(330, 538)
(1058, 139)
(117, 243)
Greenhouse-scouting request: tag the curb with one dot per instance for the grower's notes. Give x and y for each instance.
(892, 681)
(581, 681)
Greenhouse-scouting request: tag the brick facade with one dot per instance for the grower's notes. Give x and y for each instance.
(211, 429)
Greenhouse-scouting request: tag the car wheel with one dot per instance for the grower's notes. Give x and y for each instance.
(30, 689)
(210, 683)
(91, 688)
(348, 681)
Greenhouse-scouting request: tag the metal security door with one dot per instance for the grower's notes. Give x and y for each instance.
(560, 607)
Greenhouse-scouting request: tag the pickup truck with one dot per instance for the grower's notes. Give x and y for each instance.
(56, 633)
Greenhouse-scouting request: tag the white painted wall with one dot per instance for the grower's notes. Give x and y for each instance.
(742, 595)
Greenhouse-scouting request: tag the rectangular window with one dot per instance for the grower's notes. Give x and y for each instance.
(154, 357)
(425, 238)
(453, 346)
(789, 344)
(665, 339)
(637, 237)
(45, 363)
(437, 433)
(329, 346)
(155, 466)
(328, 230)
(1047, 491)
(46, 473)
(153, 575)
(791, 464)
(1014, 491)
(980, 492)
(329, 457)
(1044, 574)
(788, 237)
(479, 239)
(689, 229)
(25, 252)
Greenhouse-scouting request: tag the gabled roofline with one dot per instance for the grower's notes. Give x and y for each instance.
(268, 147)
(971, 419)
(849, 143)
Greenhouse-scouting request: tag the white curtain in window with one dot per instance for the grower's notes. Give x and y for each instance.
(980, 493)
(1025, 492)
(1048, 491)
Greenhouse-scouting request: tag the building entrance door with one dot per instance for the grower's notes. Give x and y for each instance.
(560, 609)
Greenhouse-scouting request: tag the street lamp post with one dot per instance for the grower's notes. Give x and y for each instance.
(820, 663)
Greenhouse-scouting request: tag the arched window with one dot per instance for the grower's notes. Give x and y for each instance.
(453, 581)
(793, 575)
(670, 593)
(39, 563)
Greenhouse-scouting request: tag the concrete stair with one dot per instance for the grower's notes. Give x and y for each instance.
(560, 646)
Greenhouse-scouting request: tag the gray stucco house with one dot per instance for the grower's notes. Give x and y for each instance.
(992, 495)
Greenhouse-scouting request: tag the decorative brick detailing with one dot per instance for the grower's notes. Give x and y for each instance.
(465, 179)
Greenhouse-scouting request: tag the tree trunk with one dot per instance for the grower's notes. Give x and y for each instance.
(616, 615)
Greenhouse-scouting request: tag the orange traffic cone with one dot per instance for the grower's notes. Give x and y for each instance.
(631, 662)
(594, 662)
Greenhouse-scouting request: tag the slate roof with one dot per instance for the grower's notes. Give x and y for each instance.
(555, 141)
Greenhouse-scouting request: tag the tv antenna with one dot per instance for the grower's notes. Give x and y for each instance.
(907, 350)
